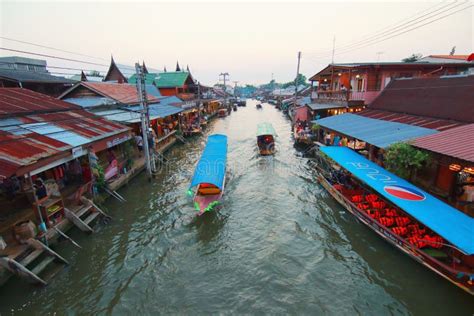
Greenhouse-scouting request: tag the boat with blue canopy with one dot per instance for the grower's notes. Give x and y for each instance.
(209, 176)
(266, 139)
(430, 231)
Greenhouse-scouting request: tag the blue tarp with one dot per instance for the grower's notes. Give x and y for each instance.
(448, 222)
(376, 132)
(212, 165)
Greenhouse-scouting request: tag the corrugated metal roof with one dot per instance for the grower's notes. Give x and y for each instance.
(120, 92)
(87, 102)
(171, 100)
(28, 138)
(152, 90)
(171, 79)
(132, 114)
(447, 98)
(31, 76)
(17, 101)
(417, 120)
(324, 106)
(376, 132)
(149, 78)
(456, 142)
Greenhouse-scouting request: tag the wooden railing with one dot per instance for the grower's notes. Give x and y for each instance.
(339, 95)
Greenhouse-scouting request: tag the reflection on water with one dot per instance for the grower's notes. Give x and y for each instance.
(278, 244)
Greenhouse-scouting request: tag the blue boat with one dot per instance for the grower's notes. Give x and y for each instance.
(430, 231)
(208, 181)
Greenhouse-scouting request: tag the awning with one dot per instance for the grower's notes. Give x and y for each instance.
(376, 132)
(265, 129)
(324, 106)
(448, 222)
(132, 114)
(211, 167)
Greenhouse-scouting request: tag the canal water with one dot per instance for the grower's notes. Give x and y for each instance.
(279, 244)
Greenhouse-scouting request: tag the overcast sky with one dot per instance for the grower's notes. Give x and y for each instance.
(248, 40)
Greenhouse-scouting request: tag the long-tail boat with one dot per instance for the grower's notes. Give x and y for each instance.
(428, 230)
(266, 139)
(209, 176)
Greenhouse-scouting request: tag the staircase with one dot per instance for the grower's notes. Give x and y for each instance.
(37, 263)
(85, 215)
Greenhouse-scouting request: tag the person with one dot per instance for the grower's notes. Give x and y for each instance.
(40, 189)
(139, 141)
(336, 140)
(327, 139)
(343, 88)
(110, 155)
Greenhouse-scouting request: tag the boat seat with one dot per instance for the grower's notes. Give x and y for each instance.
(209, 191)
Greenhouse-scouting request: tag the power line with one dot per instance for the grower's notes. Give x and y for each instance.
(398, 33)
(51, 56)
(49, 47)
(394, 26)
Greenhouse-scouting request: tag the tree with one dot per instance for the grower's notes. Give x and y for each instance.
(412, 58)
(95, 73)
(403, 159)
(300, 81)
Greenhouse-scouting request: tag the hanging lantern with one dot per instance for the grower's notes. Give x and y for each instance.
(469, 170)
(454, 167)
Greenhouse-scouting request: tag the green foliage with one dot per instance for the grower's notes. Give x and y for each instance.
(315, 127)
(100, 178)
(300, 81)
(95, 73)
(402, 159)
(412, 58)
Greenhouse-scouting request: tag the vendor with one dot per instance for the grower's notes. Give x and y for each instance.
(40, 189)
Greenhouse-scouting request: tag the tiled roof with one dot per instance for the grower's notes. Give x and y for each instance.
(120, 92)
(456, 142)
(30, 137)
(31, 76)
(18, 101)
(448, 98)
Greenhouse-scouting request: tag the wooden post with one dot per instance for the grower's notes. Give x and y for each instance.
(38, 209)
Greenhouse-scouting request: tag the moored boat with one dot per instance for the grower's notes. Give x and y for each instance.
(433, 233)
(222, 112)
(207, 186)
(266, 139)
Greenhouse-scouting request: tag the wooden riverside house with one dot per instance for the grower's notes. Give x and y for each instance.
(348, 87)
(50, 152)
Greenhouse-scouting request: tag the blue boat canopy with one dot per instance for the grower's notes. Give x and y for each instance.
(450, 223)
(211, 167)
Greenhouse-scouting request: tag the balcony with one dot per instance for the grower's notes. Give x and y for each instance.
(344, 97)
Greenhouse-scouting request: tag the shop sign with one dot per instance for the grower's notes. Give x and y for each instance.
(77, 152)
(118, 140)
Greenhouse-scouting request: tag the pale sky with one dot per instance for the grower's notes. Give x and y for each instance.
(248, 40)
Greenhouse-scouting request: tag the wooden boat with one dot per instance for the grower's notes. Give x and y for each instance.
(266, 139)
(431, 232)
(222, 112)
(209, 175)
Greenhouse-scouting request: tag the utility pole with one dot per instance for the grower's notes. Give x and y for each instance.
(235, 87)
(296, 79)
(225, 75)
(144, 115)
